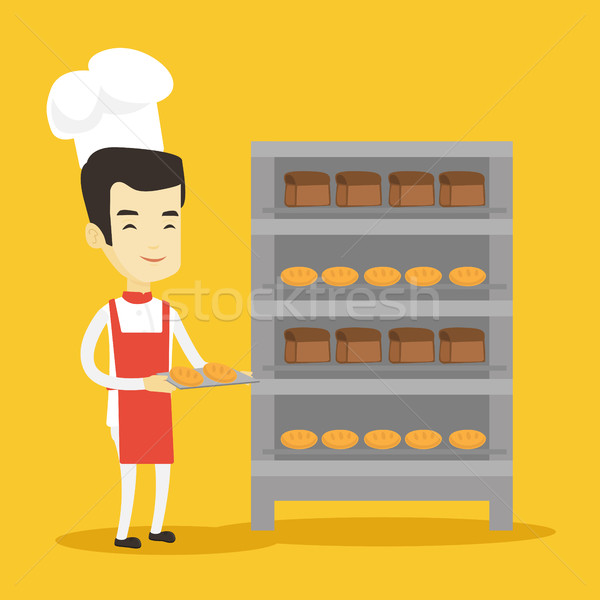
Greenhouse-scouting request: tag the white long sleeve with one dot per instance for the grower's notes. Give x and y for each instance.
(88, 347)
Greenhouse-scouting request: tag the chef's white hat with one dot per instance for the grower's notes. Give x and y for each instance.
(113, 104)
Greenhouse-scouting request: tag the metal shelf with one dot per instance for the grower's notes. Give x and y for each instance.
(351, 453)
(335, 368)
(309, 227)
(320, 285)
(384, 468)
(384, 211)
(394, 309)
(285, 392)
(382, 149)
(382, 387)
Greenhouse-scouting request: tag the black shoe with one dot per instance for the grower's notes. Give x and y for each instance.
(130, 542)
(163, 536)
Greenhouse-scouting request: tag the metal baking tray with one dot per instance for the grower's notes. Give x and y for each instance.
(241, 379)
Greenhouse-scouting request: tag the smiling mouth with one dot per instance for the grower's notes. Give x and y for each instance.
(154, 260)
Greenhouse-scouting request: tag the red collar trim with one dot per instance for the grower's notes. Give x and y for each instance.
(137, 297)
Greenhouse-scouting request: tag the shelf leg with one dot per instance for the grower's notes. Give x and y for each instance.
(262, 513)
(501, 512)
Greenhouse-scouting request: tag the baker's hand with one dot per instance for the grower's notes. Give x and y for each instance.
(249, 373)
(158, 383)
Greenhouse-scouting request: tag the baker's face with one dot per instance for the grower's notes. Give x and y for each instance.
(146, 232)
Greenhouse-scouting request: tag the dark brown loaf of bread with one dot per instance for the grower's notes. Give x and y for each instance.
(306, 345)
(307, 188)
(462, 188)
(358, 188)
(411, 188)
(358, 345)
(462, 345)
(411, 345)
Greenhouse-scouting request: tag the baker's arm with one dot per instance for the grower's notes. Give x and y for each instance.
(88, 346)
(184, 340)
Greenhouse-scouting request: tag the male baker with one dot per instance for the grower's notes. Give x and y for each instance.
(134, 193)
(133, 199)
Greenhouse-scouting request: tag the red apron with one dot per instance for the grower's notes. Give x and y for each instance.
(145, 423)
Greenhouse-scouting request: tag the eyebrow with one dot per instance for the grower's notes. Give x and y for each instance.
(170, 213)
(124, 213)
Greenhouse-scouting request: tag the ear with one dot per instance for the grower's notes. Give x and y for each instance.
(94, 237)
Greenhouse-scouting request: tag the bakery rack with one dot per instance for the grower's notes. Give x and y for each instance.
(381, 395)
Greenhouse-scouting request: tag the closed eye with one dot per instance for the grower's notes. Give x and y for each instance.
(130, 226)
(169, 226)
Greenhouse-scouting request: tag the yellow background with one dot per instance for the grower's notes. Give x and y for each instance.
(295, 71)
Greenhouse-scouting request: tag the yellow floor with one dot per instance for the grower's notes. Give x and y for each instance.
(326, 70)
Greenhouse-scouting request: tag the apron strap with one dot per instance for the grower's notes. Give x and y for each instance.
(114, 319)
(115, 326)
(166, 318)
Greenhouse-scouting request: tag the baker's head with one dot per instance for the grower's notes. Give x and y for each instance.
(133, 199)
(133, 190)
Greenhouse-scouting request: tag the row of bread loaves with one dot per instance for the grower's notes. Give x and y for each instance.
(382, 439)
(363, 345)
(382, 276)
(363, 188)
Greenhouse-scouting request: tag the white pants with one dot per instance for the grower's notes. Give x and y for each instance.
(128, 477)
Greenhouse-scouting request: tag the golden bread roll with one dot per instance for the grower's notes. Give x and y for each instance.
(382, 276)
(339, 439)
(298, 276)
(382, 439)
(423, 439)
(219, 372)
(467, 439)
(467, 276)
(186, 376)
(339, 276)
(422, 276)
(299, 439)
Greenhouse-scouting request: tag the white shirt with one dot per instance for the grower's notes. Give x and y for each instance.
(133, 318)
